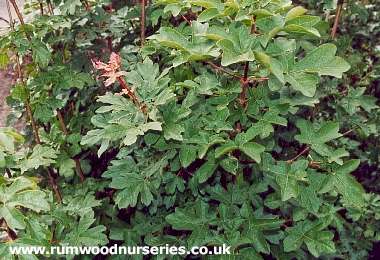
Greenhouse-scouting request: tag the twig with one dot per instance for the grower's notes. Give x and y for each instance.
(28, 108)
(187, 20)
(132, 95)
(10, 15)
(244, 81)
(5, 20)
(86, 5)
(337, 16)
(66, 132)
(314, 165)
(307, 148)
(257, 79)
(50, 7)
(348, 132)
(218, 68)
(143, 19)
(41, 7)
(19, 15)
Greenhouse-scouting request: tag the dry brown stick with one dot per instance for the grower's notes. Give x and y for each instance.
(66, 132)
(337, 17)
(143, 20)
(28, 108)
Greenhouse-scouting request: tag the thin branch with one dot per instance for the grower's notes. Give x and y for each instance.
(244, 81)
(41, 7)
(32, 121)
(187, 20)
(337, 17)
(305, 150)
(10, 15)
(218, 68)
(19, 15)
(5, 20)
(314, 165)
(28, 108)
(132, 95)
(86, 5)
(348, 132)
(143, 20)
(257, 79)
(50, 7)
(244, 86)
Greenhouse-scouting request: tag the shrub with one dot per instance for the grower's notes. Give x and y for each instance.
(233, 122)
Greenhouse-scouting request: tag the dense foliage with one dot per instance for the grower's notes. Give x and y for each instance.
(234, 122)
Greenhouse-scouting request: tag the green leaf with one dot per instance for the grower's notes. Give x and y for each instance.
(225, 148)
(197, 49)
(84, 235)
(196, 217)
(41, 54)
(208, 14)
(22, 192)
(295, 12)
(4, 59)
(317, 241)
(230, 164)
(69, 6)
(302, 76)
(253, 150)
(191, 218)
(66, 167)
(317, 137)
(303, 82)
(322, 60)
(175, 9)
(205, 171)
(255, 228)
(237, 47)
(290, 177)
(187, 155)
(135, 182)
(41, 156)
(346, 185)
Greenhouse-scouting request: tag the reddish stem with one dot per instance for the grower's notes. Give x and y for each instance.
(305, 150)
(244, 81)
(337, 17)
(218, 68)
(143, 19)
(132, 95)
(28, 108)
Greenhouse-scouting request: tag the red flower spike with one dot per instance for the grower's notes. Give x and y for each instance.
(110, 71)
